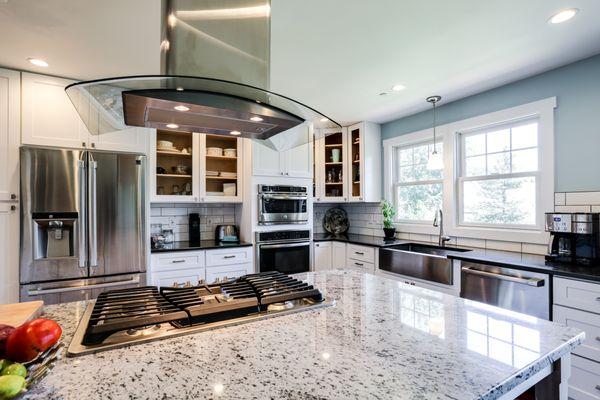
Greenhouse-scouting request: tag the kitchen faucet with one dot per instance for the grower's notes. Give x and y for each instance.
(439, 221)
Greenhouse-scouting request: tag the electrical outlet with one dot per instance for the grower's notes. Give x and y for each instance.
(172, 222)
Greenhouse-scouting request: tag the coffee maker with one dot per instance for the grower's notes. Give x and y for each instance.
(574, 237)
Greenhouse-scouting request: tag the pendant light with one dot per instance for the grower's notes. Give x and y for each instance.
(435, 159)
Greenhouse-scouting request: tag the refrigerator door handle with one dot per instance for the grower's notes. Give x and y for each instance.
(93, 249)
(82, 221)
(39, 291)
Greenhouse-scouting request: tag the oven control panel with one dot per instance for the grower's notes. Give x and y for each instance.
(282, 235)
(281, 189)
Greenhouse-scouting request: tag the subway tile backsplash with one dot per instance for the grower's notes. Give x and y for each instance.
(175, 216)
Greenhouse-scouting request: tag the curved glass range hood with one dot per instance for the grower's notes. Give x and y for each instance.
(227, 44)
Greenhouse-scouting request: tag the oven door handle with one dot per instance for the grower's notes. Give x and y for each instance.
(280, 246)
(536, 282)
(283, 197)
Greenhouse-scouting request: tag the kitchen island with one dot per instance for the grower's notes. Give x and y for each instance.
(382, 340)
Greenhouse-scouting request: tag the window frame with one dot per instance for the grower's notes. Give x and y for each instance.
(396, 179)
(461, 177)
(543, 110)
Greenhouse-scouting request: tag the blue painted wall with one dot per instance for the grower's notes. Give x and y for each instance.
(577, 118)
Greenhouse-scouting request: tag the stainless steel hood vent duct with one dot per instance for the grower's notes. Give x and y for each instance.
(214, 79)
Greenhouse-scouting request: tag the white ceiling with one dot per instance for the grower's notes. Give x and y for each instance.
(334, 55)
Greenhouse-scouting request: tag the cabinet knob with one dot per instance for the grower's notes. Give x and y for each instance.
(13, 208)
(287, 173)
(82, 144)
(360, 198)
(281, 173)
(93, 145)
(13, 196)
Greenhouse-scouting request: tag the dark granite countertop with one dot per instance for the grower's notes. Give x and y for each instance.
(529, 262)
(202, 245)
(366, 240)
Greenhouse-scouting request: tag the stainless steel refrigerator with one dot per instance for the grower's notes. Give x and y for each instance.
(82, 223)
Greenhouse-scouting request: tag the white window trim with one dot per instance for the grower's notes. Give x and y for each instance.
(448, 134)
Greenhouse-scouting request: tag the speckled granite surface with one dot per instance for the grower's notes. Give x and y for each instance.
(382, 340)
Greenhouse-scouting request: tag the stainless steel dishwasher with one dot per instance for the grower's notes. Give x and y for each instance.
(521, 291)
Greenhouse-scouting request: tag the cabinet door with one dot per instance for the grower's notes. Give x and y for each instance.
(178, 278)
(226, 272)
(221, 173)
(298, 160)
(266, 161)
(333, 167)
(356, 169)
(9, 253)
(132, 140)
(322, 256)
(10, 118)
(338, 255)
(49, 118)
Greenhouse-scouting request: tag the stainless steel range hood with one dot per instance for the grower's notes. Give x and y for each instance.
(214, 79)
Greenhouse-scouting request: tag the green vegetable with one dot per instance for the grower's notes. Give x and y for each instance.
(11, 386)
(15, 369)
(4, 364)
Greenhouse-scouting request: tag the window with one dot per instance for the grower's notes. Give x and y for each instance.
(499, 175)
(418, 190)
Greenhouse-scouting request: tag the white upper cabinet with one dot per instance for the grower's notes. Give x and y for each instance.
(50, 119)
(331, 167)
(295, 163)
(10, 118)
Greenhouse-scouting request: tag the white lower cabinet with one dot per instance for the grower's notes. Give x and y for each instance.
(322, 256)
(9, 253)
(223, 264)
(178, 268)
(576, 304)
(338, 258)
(183, 277)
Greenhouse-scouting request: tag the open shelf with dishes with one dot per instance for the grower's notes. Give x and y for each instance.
(174, 169)
(334, 162)
(355, 170)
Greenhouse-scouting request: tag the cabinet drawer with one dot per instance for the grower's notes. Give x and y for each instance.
(360, 253)
(238, 255)
(577, 294)
(177, 260)
(214, 274)
(587, 322)
(584, 383)
(361, 266)
(178, 277)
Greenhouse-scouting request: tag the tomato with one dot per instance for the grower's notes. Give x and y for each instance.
(5, 331)
(32, 338)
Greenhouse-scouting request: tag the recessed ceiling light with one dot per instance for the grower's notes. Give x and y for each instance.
(182, 108)
(235, 133)
(563, 15)
(256, 119)
(179, 89)
(398, 87)
(172, 126)
(37, 62)
(324, 119)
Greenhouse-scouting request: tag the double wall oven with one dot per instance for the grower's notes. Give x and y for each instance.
(282, 205)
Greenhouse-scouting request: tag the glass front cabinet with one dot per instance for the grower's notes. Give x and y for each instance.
(347, 165)
(195, 167)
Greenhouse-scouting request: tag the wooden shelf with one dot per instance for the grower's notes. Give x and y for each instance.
(334, 183)
(356, 182)
(221, 178)
(356, 161)
(171, 153)
(334, 145)
(221, 157)
(334, 163)
(173, 176)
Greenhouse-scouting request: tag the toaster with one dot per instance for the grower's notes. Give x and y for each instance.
(227, 233)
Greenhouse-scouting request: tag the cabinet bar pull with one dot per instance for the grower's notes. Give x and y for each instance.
(358, 264)
(597, 387)
(228, 256)
(178, 261)
(360, 253)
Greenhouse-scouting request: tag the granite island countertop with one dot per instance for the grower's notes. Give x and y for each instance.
(382, 340)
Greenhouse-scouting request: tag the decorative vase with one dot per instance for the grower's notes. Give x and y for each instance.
(390, 233)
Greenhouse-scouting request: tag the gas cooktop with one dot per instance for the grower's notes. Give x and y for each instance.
(129, 316)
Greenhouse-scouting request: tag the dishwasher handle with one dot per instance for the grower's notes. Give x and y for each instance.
(535, 282)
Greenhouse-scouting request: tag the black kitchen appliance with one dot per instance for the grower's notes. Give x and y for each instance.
(123, 317)
(284, 251)
(194, 228)
(574, 237)
(227, 233)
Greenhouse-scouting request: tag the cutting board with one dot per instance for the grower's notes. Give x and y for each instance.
(18, 313)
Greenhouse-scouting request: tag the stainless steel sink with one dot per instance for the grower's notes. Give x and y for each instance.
(421, 261)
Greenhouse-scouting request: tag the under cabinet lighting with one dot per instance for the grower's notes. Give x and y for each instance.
(235, 133)
(172, 126)
(563, 16)
(37, 62)
(256, 119)
(182, 108)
